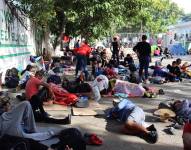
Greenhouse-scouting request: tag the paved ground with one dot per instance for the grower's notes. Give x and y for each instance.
(109, 130)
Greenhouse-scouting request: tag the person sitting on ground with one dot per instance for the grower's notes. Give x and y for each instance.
(186, 72)
(128, 60)
(174, 72)
(158, 70)
(178, 62)
(157, 52)
(187, 136)
(37, 96)
(25, 76)
(34, 95)
(133, 119)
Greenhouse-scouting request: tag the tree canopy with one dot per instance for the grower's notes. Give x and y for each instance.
(95, 18)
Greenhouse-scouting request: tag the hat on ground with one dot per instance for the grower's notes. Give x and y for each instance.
(164, 114)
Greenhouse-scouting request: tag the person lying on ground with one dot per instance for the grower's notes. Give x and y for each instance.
(133, 119)
(103, 86)
(19, 121)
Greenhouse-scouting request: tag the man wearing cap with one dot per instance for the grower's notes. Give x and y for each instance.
(133, 119)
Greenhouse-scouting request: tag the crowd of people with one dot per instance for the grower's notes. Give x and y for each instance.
(115, 76)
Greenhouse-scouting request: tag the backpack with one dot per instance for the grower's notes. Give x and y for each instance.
(11, 78)
(54, 79)
(71, 137)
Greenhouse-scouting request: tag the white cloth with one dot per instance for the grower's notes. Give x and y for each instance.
(101, 82)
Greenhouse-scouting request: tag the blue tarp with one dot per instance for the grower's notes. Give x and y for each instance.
(177, 49)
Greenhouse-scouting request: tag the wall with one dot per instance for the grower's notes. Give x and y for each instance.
(16, 41)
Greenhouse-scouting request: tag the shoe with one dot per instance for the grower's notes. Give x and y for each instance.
(151, 128)
(169, 131)
(151, 137)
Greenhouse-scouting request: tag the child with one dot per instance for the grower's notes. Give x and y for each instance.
(128, 60)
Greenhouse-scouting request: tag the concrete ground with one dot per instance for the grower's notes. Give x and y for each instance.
(109, 130)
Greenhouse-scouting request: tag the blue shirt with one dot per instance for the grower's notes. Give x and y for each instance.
(122, 110)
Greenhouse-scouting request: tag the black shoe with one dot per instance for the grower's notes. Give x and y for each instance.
(151, 137)
(151, 128)
(21, 97)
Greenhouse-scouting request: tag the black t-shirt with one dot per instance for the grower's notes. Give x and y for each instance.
(174, 70)
(143, 49)
(115, 45)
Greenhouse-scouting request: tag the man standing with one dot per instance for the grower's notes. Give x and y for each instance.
(81, 55)
(115, 52)
(143, 50)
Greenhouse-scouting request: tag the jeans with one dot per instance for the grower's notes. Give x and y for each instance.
(144, 64)
(36, 101)
(20, 122)
(115, 55)
(81, 65)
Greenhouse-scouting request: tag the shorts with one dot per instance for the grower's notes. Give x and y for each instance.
(137, 115)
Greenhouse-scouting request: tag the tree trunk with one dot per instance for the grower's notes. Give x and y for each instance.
(46, 42)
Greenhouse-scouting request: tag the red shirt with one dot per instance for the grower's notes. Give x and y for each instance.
(84, 49)
(32, 87)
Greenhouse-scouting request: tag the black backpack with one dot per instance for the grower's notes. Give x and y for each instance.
(54, 79)
(71, 137)
(11, 78)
